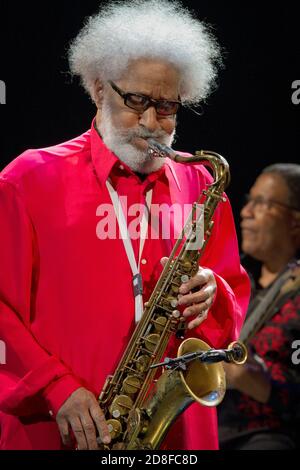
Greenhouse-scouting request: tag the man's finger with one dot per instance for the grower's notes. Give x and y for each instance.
(164, 261)
(90, 431)
(196, 310)
(198, 320)
(101, 425)
(201, 278)
(198, 297)
(64, 430)
(79, 434)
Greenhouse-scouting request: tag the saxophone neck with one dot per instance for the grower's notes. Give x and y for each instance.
(213, 160)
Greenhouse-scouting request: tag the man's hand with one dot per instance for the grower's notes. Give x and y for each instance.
(199, 301)
(81, 413)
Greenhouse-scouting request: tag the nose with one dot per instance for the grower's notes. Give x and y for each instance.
(247, 210)
(149, 119)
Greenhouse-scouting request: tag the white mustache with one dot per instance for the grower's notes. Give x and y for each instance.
(143, 133)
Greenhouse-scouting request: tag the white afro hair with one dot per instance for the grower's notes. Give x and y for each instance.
(158, 29)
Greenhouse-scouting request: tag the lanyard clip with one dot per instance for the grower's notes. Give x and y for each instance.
(137, 285)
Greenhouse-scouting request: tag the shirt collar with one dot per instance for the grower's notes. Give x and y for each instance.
(171, 172)
(103, 158)
(105, 161)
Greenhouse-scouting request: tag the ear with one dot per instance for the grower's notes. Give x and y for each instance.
(97, 93)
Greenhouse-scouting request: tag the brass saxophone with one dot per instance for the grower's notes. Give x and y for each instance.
(138, 412)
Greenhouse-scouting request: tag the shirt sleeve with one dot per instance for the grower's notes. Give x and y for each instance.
(221, 254)
(29, 372)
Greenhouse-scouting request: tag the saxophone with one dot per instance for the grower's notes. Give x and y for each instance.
(139, 410)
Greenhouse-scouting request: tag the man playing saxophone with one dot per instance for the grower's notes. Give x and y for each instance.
(75, 265)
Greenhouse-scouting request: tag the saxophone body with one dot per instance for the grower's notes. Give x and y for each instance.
(139, 409)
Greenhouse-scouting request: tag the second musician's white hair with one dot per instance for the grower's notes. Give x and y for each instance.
(125, 31)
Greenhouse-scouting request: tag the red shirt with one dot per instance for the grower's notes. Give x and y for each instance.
(66, 298)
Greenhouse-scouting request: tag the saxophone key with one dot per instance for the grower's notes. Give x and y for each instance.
(175, 289)
(165, 308)
(151, 342)
(143, 350)
(114, 427)
(133, 425)
(129, 368)
(173, 302)
(121, 406)
(176, 314)
(105, 389)
(160, 323)
(131, 385)
(142, 363)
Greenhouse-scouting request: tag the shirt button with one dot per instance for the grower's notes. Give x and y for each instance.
(144, 261)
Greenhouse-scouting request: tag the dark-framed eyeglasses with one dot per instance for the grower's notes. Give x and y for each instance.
(263, 203)
(141, 103)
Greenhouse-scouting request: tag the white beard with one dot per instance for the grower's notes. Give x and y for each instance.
(118, 141)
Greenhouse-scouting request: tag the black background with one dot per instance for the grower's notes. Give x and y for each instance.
(250, 119)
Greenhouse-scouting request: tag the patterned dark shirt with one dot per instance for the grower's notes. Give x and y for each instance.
(240, 414)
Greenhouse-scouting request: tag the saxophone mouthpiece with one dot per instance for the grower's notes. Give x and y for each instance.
(158, 150)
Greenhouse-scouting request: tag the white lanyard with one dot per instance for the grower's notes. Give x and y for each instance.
(135, 267)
